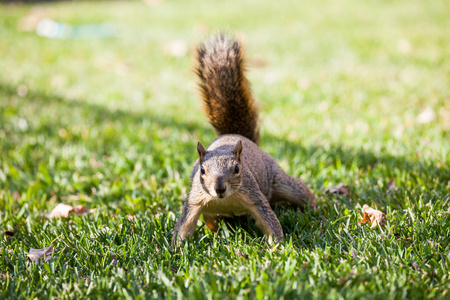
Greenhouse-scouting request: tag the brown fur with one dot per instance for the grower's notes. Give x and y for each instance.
(233, 176)
(225, 90)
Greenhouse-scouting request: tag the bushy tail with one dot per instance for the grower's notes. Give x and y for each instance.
(225, 90)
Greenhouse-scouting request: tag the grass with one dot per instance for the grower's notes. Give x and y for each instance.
(113, 123)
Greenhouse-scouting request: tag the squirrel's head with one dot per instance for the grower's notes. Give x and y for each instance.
(220, 169)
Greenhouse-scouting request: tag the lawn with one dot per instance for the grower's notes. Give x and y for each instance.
(351, 92)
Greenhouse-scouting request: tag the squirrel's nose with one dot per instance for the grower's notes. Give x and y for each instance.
(220, 189)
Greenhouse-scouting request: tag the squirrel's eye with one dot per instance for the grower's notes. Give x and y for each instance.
(202, 170)
(236, 169)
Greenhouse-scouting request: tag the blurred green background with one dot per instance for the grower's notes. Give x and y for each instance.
(350, 92)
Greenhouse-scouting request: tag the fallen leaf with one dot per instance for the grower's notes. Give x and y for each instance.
(81, 210)
(42, 255)
(342, 189)
(60, 210)
(375, 216)
(63, 210)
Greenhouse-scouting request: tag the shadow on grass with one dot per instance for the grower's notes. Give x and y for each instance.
(366, 160)
(348, 157)
(97, 112)
(419, 173)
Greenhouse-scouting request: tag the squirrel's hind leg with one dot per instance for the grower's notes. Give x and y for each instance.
(291, 190)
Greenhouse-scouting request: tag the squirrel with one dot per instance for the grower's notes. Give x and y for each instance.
(233, 176)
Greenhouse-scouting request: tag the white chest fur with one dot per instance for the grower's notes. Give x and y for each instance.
(234, 205)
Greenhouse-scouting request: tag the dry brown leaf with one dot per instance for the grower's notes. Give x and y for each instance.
(342, 189)
(81, 210)
(42, 255)
(60, 210)
(63, 210)
(373, 215)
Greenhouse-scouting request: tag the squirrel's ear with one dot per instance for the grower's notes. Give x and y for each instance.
(238, 150)
(201, 151)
